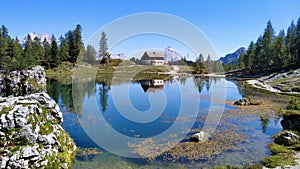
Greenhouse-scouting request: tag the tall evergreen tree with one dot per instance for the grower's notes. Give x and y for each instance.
(249, 58)
(297, 43)
(78, 41)
(90, 55)
(18, 56)
(38, 50)
(47, 54)
(4, 32)
(267, 43)
(64, 49)
(30, 60)
(199, 65)
(208, 58)
(201, 58)
(280, 53)
(258, 57)
(55, 60)
(291, 41)
(72, 47)
(103, 45)
(3, 54)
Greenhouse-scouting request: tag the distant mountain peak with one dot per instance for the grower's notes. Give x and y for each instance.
(33, 35)
(171, 54)
(232, 58)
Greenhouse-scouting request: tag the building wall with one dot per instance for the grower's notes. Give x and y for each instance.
(153, 62)
(146, 60)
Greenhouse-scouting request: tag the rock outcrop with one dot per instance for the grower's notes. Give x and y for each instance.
(22, 82)
(31, 135)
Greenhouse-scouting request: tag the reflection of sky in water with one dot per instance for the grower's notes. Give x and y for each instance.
(253, 128)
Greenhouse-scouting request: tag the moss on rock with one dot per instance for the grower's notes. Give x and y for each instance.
(32, 136)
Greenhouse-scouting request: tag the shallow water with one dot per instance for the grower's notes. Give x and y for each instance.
(108, 115)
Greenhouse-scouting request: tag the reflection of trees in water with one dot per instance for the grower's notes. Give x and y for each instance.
(241, 87)
(182, 80)
(53, 88)
(208, 83)
(90, 88)
(203, 81)
(264, 121)
(104, 81)
(82, 88)
(200, 82)
(60, 89)
(103, 91)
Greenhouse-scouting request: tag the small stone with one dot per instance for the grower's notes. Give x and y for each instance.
(198, 137)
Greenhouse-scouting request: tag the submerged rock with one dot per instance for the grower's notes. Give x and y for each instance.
(245, 102)
(85, 154)
(31, 135)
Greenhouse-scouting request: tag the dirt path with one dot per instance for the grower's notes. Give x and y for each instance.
(262, 85)
(284, 82)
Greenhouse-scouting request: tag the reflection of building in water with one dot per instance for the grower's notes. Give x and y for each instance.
(155, 85)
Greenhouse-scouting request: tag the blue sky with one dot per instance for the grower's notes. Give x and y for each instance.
(228, 24)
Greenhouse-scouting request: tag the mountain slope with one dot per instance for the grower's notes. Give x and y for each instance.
(171, 54)
(232, 58)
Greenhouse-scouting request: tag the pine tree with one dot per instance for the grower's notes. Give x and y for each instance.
(280, 53)
(4, 32)
(258, 57)
(201, 57)
(250, 56)
(241, 62)
(78, 42)
(3, 54)
(103, 50)
(103, 46)
(290, 42)
(208, 59)
(267, 42)
(38, 50)
(297, 43)
(3, 47)
(72, 47)
(29, 58)
(199, 65)
(18, 56)
(47, 54)
(54, 59)
(209, 64)
(64, 49)
(90, 55)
